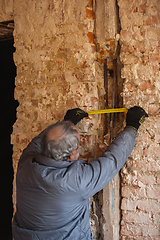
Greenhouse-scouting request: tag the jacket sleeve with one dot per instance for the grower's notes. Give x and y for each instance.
(94, 176)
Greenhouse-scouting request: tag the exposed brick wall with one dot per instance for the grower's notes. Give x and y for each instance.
(58, 68)
(140, 35)
(55, 59)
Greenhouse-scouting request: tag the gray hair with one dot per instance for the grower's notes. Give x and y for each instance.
(60, 148)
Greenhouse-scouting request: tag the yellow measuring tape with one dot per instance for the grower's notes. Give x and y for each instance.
(112, 110)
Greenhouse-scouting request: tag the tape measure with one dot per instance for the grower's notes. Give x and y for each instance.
(112, 110)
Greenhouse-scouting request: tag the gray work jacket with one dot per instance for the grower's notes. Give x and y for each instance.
(53, 197)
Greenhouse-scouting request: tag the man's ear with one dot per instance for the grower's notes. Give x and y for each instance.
(72, 156)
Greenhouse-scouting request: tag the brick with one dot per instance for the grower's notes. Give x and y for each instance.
(153, 192)
(145, 85)
(139, 46)
(133, 192)
(127, 49)
(146, 179)
(152, 33)
(137, 217)
(145, 166)
(131, 230)
(153, 109)
(126, 72)
(125, 35)
(151, 230)
(152, 20)
(130, 59)
(124, 10)
(152, 151)
(128, 205)
(128, 87)
(158, 179)
(148, 205)
(156, 218)
(154, 58)
(142, 8)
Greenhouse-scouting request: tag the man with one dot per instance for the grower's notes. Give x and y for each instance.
(53, 187)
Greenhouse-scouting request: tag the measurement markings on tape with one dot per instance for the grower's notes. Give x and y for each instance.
(113, 110)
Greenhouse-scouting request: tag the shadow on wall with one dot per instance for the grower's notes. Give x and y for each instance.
(8, 116)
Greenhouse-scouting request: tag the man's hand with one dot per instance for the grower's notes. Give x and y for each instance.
(75, 115)
(135, 117)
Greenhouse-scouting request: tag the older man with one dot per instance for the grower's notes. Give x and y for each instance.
(53, 187)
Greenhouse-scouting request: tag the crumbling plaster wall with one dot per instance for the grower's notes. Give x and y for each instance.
(55, 59)
(140, 54)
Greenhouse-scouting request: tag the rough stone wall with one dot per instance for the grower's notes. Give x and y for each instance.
(140, 54)
(6, 10)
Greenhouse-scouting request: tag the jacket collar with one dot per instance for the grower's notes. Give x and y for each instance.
(46, 161)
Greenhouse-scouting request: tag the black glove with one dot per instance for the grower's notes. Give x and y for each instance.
(75, 115)
(135, 117)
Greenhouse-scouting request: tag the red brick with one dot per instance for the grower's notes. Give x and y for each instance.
(130, 59)
(153, 192)
(142, 8)
(146, 179)
(156, 218)
(126, 35)
(128, 204)
(145, 166)
(131, 230)
(152, 20)
(145, 85)
(153, 109)
(128, 87)
(137, 217)
(139, 46)
(152, 151)
(151, 231)
(152, 33)
(132, 192)
(158, 179)
(154, 58)
(124, 9)
(148, 205)
(127, 49)
(141, 165)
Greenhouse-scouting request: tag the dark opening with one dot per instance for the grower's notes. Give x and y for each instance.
(8, 107)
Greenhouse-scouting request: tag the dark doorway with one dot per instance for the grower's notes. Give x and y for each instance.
(8, 107)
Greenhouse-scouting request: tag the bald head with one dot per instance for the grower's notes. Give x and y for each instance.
(60, 140)
(54, 133)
